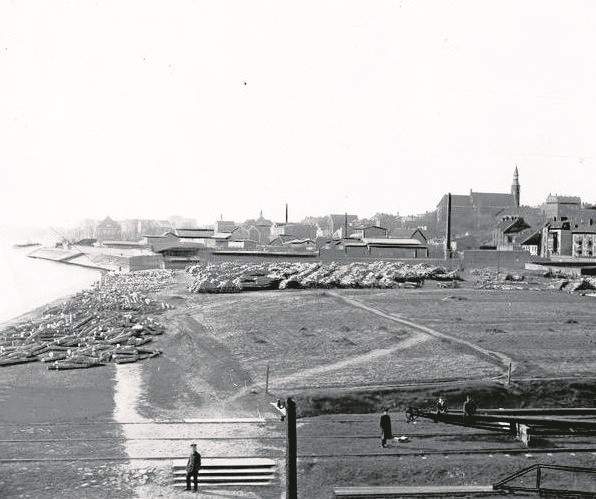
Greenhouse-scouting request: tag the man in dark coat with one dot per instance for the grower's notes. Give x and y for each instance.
(469, 409)
(441, 407)
(385, 425)
(192, 467)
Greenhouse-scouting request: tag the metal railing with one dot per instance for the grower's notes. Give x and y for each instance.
(539, 488)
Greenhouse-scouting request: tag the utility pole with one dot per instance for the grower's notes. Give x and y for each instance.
(267, 380)
(286, 213)
(291, 448)
(448, 229)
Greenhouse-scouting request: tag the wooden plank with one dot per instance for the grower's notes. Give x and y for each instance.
(243, 462)
(229, 484)
(399, 491)
(578, 411)
(243, 479)
(229, 471)
(224, 420)
(549, 422)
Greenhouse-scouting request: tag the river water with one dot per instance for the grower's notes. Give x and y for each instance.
(27, 283)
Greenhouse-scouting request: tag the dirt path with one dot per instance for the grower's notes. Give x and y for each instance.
(493, 357)
(358, 359)
(423, 333)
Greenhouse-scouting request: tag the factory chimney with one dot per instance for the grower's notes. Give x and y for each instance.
(346, 225)
(448, 229)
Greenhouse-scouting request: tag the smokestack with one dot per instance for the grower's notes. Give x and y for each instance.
(346, 225)
(448, 229)
(286, 213)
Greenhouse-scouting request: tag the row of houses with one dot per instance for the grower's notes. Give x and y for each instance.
(366, 241)
(559, 237)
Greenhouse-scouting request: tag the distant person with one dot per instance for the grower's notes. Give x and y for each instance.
(469, 408)
(441, 404)
(192, 467)
(441, 407)
(385, 425)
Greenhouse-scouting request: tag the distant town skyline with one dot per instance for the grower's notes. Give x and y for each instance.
(147, 109)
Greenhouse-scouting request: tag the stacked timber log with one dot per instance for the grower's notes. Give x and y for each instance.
(111, 322)
(233, 277)
(579, 285)
(505, 281)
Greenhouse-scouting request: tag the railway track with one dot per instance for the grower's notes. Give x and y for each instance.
(305, 457)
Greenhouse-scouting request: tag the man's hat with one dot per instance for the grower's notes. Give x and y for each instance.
(193, 445)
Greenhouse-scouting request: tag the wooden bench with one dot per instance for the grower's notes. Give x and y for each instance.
(420, 491)
(228, 471)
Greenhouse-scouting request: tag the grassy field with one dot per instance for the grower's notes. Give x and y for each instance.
(311, 339)
(546, 333)
(334, 358)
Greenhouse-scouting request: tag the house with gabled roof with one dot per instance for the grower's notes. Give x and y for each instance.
(509, 232)
(409, 234)
(362, 231)
(108, 229)
(531, 241)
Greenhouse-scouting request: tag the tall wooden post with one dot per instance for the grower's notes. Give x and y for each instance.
(509, 375)
(267, 380)
(291, 450)
(448, 229)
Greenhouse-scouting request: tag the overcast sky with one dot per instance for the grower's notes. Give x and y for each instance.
(143, 109)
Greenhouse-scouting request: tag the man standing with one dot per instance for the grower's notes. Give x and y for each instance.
(469, 409)
(385, 425)
(441, 407)
(192, 467)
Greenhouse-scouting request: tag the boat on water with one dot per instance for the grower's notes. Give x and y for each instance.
(25, 245)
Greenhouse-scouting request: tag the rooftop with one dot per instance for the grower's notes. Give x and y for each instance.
(391, 241)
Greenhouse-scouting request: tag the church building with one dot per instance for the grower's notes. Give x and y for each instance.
(476, 212)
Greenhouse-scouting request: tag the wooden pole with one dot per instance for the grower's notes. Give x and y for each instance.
(509, 375)
(448, 229)
(291, 449)
(267, 380)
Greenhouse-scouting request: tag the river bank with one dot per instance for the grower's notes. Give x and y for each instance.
(28, 284)
(111, 322)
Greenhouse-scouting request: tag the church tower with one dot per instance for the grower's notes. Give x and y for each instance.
(515, 187)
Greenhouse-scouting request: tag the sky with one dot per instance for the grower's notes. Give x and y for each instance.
(145, 109)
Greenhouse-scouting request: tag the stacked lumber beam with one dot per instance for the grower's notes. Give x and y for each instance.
(111, 322)
(233, 277)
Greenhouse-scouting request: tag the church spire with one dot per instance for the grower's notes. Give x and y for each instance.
(515, 188)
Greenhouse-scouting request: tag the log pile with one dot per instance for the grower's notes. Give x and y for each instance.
(580, 285)
(503, 281)
(111, 322)
(234, 277)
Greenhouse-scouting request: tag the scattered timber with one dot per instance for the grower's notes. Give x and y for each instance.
(111, 322)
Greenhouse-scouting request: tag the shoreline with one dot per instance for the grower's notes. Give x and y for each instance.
(37, 311)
